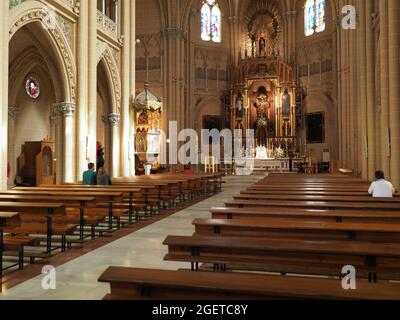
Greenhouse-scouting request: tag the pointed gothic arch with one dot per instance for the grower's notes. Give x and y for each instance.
(34, 11)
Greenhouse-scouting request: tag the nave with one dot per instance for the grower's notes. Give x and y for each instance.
(78, 279)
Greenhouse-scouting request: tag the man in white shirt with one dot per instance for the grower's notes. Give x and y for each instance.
(381, 188)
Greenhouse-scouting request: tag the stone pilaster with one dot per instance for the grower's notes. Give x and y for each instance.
(12, 116)
(65, 139)
(126, 85)
(4, 61)
(371, 108)
(82, 68)
(394, 88)
(384, 86)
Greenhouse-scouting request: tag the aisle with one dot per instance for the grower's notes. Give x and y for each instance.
(77, 279)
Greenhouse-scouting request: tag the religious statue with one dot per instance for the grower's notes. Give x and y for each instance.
(100, 155)
(262, 45)
(253, 44)
(239, 106)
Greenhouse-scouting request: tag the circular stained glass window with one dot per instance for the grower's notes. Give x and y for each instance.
(32, 88)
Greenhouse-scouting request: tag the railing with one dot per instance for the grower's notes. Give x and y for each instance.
(107, 25)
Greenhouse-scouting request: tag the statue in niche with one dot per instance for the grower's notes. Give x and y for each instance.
(264, 104)
(253, 44)
(262, 46)
(239, 106)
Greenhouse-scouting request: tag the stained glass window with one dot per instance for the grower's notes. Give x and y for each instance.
(210, 21)
(320, 15)
(314, 17)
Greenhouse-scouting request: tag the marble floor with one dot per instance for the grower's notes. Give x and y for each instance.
(77, 279)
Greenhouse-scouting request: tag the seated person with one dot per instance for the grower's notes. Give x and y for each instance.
(381, 188)
(90, 176)
(103, 178)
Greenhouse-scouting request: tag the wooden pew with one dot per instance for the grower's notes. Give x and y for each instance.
(101, 196)
(304, 230)
(140, 284)
(290, 197)
(331, 205)
(48, 210)
(108, 196)
(82, 202)
(371, 260)
(138, 196)
(342, 193)
(317, 215)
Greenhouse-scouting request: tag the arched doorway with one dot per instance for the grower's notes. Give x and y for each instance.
(108, 111)
(40, 59)
(104, 110)
(35, 85)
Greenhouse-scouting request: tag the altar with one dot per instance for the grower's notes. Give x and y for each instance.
(264, 96)
(280, 165)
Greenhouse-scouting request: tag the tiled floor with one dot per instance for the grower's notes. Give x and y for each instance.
(77, 279)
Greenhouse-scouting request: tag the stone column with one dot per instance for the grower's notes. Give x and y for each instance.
(12, 115)
(127, 74)
(66, 112)
(235, 22)
(92, 81)
(362, 61)
(82, 110)
(371, 111)
(291, 30)
(384, 64)
(394, 87)
(4, 58)
(113, 120)
(126, 86)
(130, 153)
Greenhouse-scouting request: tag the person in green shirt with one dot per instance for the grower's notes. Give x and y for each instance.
(90, 176)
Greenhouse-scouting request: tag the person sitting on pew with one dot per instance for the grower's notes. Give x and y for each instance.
(90, 176)
(381, 188)
(103, 178)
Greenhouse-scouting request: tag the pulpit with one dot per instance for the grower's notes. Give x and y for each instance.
(37, 164)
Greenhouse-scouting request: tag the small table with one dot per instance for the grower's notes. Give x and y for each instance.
(4, 216)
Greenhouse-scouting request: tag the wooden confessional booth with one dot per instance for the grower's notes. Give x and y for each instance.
(37, 164)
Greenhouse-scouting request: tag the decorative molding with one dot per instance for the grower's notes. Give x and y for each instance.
(112, 67)
(42, 15)
(107, 25)
(12, 112)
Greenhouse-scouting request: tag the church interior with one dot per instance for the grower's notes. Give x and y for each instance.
(199, 149)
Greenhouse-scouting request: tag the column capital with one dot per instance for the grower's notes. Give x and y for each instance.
(112, 119)
(64, 108)
(12, 112)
